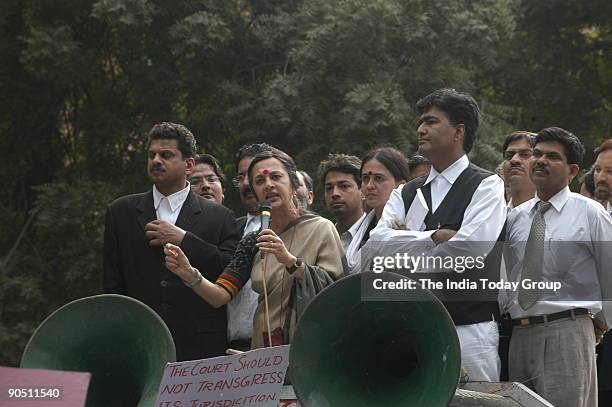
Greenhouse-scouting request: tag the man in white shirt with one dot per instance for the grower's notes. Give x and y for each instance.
(518, 147)
(418, 166)
(207, 178)
(558, 252)
(603, 175)
(517, 150)
(137, 227)
(241, 309)
(456, 205)
(342, 182)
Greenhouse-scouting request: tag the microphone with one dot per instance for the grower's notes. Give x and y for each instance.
(265, 209)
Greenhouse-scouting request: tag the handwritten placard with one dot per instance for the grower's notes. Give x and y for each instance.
(253, 379)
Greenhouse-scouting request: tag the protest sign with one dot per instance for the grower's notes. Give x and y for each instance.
(253, 379)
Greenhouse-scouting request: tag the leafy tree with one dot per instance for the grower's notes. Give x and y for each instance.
(58, 261)
(559, 70)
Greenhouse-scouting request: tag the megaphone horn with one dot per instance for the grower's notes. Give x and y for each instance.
(121, 341)
(351, 352)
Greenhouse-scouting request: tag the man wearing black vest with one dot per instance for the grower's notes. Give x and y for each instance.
(456, 205)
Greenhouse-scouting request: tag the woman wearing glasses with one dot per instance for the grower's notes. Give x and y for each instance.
(382, 170)
(299, 251)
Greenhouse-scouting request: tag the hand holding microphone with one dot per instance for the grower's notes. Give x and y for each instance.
(269, 242)
(265, 212)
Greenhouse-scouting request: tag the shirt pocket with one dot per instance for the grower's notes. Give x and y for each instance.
(562, 256)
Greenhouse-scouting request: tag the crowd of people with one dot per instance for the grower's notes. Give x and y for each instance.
(222, 282)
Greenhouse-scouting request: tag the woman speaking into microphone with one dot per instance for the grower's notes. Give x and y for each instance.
(299, 252)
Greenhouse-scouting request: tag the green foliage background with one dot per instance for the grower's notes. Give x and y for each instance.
(83, 81)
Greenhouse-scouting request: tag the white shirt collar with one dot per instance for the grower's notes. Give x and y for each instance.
(175, 200)
(252, 219)
(355, 226)
(452, 172)
(609, 207)
(253, 222)
(557, 201)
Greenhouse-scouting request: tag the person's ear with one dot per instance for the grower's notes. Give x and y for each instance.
(573, 171)
(189, 164)
(459, 133)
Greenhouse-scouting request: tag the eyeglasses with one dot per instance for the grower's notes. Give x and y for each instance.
(237, 180)
(197, 181)
(524, 154)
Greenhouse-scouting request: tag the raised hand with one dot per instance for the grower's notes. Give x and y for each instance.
(177, 262)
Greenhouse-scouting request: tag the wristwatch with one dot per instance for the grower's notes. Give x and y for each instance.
(298, 263)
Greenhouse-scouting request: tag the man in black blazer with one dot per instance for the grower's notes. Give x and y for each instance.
(137, 227)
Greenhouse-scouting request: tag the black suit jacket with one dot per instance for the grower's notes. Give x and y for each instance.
(132, 267)
(241, 224)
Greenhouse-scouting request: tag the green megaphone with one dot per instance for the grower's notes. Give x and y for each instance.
(348, 351)
(122, 342)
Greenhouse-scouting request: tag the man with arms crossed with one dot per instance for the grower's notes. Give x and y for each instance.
(463, 203)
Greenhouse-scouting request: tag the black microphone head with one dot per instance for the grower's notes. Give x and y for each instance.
(265, 206)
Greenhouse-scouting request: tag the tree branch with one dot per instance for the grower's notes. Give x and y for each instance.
(7, 258)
